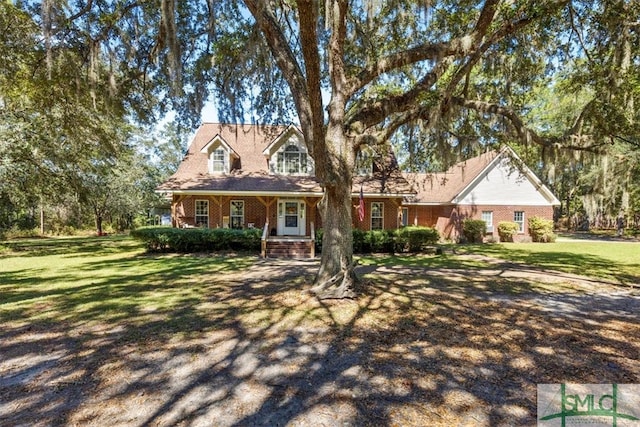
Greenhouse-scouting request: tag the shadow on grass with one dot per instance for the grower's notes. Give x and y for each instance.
(240, 344)
(69, 246)
(574, 261)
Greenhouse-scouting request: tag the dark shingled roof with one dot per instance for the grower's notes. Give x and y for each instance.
(249, 142)
(443, 187)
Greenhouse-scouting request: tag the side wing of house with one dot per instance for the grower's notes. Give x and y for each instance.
(507, 190)
(493, 187)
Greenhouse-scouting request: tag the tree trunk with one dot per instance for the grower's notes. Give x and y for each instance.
(336, 278)
(98, 221)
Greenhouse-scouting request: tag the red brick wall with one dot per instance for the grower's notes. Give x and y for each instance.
(448, 219)
(391, 210)
(255, 210)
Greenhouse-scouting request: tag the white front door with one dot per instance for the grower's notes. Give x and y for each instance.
(291, 221)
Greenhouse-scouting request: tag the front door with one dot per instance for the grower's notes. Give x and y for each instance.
(291, 221)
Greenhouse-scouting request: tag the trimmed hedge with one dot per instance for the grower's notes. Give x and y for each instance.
(541, 230)
(506, 230)
(412, 239)
(161, 239)
(474, 230)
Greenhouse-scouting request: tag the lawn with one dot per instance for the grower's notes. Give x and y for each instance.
(94, 331)
(617, 261)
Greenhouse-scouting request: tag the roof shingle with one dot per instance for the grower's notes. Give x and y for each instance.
(249, 142)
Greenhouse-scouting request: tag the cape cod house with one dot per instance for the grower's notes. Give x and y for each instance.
(495, 186)
(241, 176)
(245, 176)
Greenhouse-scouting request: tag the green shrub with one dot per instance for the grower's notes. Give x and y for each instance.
(159, 239)
(474, 230)
(414, 239)
(375, 241)
(541, 230)
(360, 244)
(379, 241)
(506, 230)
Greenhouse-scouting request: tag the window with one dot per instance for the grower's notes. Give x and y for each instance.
(487, 217)
(364, 162)
(237, 213)
(292, 161)
(217, 161)
(377, 215)
(518, 218)
(202, 213)
(404, 220)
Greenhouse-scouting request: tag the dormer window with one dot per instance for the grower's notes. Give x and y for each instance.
(220, 155)
(364, 162)
(217, 161)
(292, 161)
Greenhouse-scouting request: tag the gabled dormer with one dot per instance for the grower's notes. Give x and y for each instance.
(364, 165)
(220, 156)
(288, 155)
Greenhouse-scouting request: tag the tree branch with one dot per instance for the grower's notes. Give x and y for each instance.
(570, 140)
(284, 56)
(459, 46)
(308, 16)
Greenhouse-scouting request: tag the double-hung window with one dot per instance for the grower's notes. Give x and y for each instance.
(292, 161)
(202, 213)
(377, 215)
(404, 219)
(237, 213)
(518, 218)
(217, 161)
(487, 217)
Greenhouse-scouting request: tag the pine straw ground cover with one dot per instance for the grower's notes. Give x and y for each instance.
(98, 333)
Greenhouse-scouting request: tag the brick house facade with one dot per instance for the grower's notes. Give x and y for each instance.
(496, 186)
(244, 176)
(253, 176)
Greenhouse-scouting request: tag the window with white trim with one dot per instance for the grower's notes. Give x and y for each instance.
(202, 213)
(487, 217)
(364, 162)
(518, 218)
(217, 161)
(292, 160)
(404, 219)
(377, 215)
(237, 213)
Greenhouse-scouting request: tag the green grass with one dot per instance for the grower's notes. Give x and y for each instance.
(112, 280)
(104, 279)
(618, 261)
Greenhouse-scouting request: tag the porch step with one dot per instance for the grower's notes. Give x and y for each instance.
(289, 248)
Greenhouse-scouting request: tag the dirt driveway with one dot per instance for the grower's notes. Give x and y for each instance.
(419, 347)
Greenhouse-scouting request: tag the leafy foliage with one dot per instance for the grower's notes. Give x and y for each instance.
(411, 239)
(474, 230)
(185, 240)
(506, 230)
(414, 239)
(541, 230)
